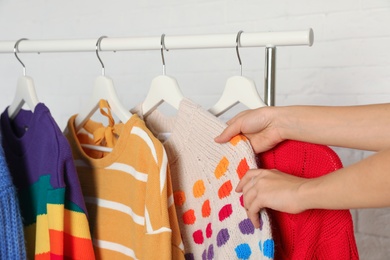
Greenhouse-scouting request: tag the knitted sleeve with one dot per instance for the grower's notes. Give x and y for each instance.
(162, 240)
(177, 243)
(213, 220)
(77, 236)
(74, 230)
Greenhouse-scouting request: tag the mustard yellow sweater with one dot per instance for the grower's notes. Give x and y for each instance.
(128, 191)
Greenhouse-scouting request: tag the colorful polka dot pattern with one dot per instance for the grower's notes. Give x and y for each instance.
(228, 225)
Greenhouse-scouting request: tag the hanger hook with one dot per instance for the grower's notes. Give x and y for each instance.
(238, 43)
(162, 42)
(16, 50)
(97, 52)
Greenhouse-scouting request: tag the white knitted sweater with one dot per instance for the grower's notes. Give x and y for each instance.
(212, 219)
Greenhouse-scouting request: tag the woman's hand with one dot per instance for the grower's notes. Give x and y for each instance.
(270, 189)
(257, 125)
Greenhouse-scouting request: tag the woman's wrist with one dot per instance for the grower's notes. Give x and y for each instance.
(308, 194)
(284, 121)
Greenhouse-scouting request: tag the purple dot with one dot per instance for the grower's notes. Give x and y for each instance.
(246, 227)
(204, 255)
(210, 252)
(189, 256)
(222, 237)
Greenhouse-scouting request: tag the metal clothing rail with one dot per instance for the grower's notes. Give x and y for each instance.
(269, 40)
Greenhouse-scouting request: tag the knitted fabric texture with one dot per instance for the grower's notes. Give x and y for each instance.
(312, 234)
(128, 191)
(11, 227)
(42, 168)
(213, 221)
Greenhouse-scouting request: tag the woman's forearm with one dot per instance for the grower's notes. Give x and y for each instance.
(361, 127)
(365, 184)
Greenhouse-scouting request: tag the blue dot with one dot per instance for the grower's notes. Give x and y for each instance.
(243, 251)
(269, 248)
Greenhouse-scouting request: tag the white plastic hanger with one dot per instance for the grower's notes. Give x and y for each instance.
(238, 89)
(25, 90)
(103, 89)
(163, 88)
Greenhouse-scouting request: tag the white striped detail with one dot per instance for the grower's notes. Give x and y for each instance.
(141, 133)
(149, 228)
(170, 200)
(160, 230)
(116, 206)
(114, 247)
(181, 246)
(128, 169)
(163, 171)
(83, 131)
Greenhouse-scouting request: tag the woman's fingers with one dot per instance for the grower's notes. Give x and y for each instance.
(250, 195)
(233, 128)
(249, 175)
(253, 213)
(227, 134)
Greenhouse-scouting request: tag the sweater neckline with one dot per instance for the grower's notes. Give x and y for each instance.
(180, 127)
(117, 150)
(20, 143)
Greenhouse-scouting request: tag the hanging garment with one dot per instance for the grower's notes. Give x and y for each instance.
(11, 227)
(128, 191)
(212, 219)
(316, 233)
(42, 169)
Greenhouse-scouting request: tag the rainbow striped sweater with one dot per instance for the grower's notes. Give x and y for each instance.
(52, 206)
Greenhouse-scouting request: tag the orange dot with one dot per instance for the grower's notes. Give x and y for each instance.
(179, 197)
(198, 189)
(225, 190)
(235, 140)
(189, 217)
(221, 167)
(206, 210)
(242, 168)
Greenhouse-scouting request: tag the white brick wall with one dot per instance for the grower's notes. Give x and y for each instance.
(348, 64)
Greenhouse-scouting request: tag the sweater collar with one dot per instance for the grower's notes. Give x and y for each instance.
(20, 132)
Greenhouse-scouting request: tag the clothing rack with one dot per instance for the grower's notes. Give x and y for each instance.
(269, 40)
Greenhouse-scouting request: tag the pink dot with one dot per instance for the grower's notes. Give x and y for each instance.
(242, 200)
(225, 212)
(209, 231)
(198, 237)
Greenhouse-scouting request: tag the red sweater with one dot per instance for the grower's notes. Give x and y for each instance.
(312, 234)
